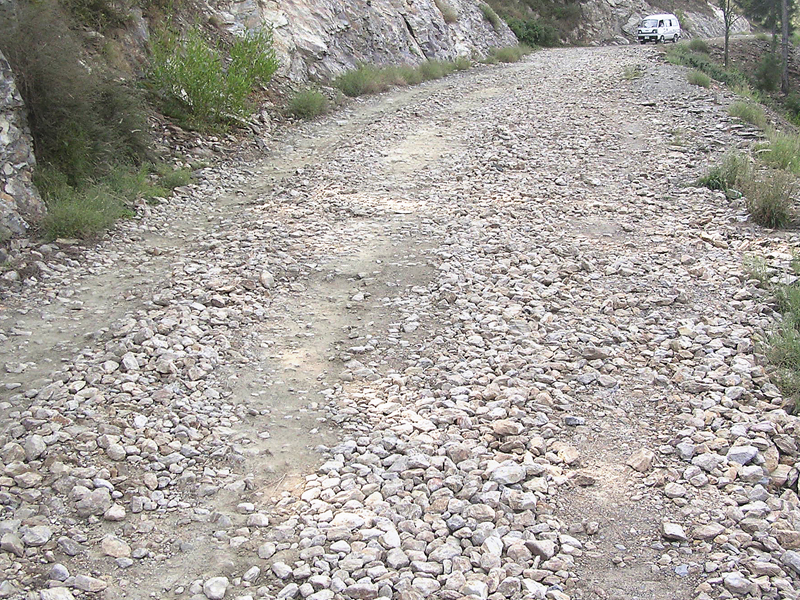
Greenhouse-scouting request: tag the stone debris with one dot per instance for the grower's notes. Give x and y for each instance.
(545, 370)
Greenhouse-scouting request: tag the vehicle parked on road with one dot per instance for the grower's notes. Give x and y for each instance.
(659, 28)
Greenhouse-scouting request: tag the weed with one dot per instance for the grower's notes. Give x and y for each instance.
(490, 15)
(698, 78)
(308, 104)
(100, 15)
(449, 14)
(630, 72)
(782, 151)
(681, 54)
(433, 69)
(770, 198)
(698, 45)
(172, 178)
(369, 79)
(462, 63)
(734, 168)
(749, 113)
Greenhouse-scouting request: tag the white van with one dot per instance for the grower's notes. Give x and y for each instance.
(659, 28)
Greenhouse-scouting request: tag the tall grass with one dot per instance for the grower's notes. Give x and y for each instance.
(770, 198)
(371, 79)
(698, 78)
(748, 112)
(782, 151)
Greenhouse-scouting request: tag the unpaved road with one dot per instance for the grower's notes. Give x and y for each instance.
(472, 339)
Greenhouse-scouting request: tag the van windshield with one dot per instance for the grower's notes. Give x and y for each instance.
(649, 23)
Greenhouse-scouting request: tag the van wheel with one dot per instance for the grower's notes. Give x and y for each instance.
(675, 39)
(661, 39)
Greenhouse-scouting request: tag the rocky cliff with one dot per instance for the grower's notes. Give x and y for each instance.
(20, 203)
(319, 39)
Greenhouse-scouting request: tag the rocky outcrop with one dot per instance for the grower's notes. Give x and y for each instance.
(20, 203)
(616, 21)
(319, 39)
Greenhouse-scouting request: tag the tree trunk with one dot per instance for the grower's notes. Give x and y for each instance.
(785, 46)
(727, 37)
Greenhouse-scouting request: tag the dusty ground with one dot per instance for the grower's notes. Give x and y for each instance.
(402, 275)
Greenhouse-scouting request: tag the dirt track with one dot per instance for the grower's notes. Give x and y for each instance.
(474, 301)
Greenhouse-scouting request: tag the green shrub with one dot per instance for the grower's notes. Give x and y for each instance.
(308, 104)
(100, 15)
(748, 112)
(698, 78)
(734, 168)
(534, 32)
(768, 72)
(490, 15)
(189, 77)
(83, 121)
(770, 198)
(449, 14)
(698, 45)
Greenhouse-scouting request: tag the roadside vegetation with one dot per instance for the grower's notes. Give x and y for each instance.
(372, 79)
(782, 345)
(308, 104)
(539, 22)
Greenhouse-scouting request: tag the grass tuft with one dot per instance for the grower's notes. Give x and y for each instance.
(698, 78)
(308, 104)
(490, 15)
(449, 14)
(698, 45)
(749, 113)
(734, 168)
(770, 198)
(782, 151)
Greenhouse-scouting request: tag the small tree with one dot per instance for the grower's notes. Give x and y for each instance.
(729, 17)
(785, 45)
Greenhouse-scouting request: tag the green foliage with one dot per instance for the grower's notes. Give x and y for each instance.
(449, 14)
(462, 63)
(749, 113)
(83, 121)
(490, 15)
(770, 198)
(698, 45)
(768, 72)
(308, 104)
(734, 168)
(534, 32)
(100, 15)
(681, 54)
(698, 78)
(170, 179)
(189, 77)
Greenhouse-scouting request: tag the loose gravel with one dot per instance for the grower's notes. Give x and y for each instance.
(481, 338)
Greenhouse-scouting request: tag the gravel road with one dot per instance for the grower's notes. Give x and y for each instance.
(480, 338)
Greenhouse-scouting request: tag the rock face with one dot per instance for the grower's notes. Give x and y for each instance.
(616, 21)
(319, 39)
(20, 203)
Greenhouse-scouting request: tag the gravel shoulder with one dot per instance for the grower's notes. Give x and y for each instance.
(479, 338)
